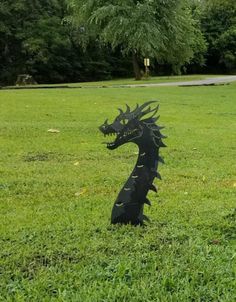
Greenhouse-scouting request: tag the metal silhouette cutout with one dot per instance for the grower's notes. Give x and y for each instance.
(139, 127)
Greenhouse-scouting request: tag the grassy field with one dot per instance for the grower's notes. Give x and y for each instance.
(57, 191)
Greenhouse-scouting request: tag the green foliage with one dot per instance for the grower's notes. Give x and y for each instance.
(36, 39)
(40, 37)
(164, 30)
(199, 45)
(218, 24)
(227, 44)
(57, 245)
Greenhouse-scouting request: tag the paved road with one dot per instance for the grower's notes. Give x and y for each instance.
(209, 81)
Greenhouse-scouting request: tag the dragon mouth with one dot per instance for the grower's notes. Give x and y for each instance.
(121, 138)
(111, 145)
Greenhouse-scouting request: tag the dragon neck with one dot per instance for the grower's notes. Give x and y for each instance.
(142, 176)
(148, 157)
(145, 169)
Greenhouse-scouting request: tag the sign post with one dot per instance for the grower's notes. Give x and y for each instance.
(146, 64)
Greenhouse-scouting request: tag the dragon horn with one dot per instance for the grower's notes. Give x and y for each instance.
(127, 109)
(121, 111)
(145, 105)
(155, 110)
(149, 110)
(137, 111)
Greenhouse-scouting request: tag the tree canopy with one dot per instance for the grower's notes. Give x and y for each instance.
(76, 40)
(219, 27)
(36, 39)
(165, 30)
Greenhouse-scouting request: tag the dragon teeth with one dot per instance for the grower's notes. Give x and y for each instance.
(110, 144)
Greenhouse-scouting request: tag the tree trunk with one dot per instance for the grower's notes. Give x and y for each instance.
(136, 68)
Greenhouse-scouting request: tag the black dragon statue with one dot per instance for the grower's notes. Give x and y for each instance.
(139, 127)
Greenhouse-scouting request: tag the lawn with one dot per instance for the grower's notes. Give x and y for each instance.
(57, 191)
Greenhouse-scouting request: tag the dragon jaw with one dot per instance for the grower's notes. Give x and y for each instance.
(124, 134)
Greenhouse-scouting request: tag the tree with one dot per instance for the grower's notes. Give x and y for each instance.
(37, 39)
(227, 44)
(33, 39)
(159, 29)
(219, 28)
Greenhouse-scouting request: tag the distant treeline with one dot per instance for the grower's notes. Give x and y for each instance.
(40, 38)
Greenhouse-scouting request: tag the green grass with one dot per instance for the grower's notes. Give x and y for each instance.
(56, 240)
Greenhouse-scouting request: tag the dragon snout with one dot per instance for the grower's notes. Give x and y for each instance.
(105, 128)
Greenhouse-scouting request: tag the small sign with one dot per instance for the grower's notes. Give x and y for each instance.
(146, 62)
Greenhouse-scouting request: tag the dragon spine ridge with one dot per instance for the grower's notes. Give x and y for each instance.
(137, 126)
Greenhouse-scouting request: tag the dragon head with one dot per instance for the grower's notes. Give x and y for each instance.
(137, 126)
